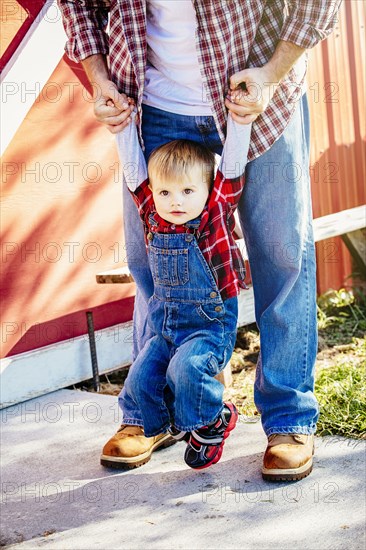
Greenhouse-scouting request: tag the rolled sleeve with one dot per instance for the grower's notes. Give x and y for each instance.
(85, 26)
(307, 23)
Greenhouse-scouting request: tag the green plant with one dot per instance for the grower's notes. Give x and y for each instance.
(341, 392)
(325, 321)
(336, 299)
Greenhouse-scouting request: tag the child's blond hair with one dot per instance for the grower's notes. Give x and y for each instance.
(175, 159)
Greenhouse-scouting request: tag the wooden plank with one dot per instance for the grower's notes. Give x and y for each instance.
(340, 223)
(119, 275)
(246, 315)
(325, 227)
(333, 225)
(356, 244)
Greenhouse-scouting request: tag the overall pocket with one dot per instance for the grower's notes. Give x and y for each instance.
(211, 312)
(169, 267)
(213, 315)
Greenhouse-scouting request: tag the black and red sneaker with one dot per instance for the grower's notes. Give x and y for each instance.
(206, 444)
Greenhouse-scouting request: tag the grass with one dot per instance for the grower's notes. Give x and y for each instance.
(341, 392)
(340, 384)
(341, 387)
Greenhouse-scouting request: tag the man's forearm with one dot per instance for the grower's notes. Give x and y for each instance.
(283, 59)
(96, 68)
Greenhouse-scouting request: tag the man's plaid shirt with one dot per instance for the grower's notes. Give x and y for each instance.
(231, 35)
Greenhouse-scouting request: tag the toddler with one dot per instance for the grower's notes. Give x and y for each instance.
(198, 271)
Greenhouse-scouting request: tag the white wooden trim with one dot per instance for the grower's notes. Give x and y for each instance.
(56, 366)
(59, 365)
(28, 71)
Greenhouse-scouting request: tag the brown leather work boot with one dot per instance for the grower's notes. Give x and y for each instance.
(129, 448)
(288, 457)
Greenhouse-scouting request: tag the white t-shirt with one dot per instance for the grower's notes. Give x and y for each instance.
(173, 79)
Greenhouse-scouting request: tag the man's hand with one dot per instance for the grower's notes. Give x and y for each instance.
(250, 92)
(111, 107)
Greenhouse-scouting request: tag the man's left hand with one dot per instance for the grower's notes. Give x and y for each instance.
(250, 92)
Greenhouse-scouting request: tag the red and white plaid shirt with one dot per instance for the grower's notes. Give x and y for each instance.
(213, 229)
(231, 35)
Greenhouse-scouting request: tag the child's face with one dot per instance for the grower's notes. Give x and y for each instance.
(180, 201)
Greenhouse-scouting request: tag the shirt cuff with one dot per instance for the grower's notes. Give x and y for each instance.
(87, 43)
(302, 34)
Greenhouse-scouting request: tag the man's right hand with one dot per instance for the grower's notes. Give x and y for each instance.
(111, 108)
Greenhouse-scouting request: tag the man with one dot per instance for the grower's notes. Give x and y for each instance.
(184, 64)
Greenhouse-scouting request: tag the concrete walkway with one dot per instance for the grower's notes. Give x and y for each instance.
(56, 495)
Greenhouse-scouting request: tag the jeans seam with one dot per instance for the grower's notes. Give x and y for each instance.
(307, 317)
(205, 266)
(305, 259)
(163, 410)
(305, 430)
(161, 430)
(170, 299)
(200, 397)
(132, 422)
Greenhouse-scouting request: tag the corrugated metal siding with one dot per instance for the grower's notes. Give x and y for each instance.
(336, 89)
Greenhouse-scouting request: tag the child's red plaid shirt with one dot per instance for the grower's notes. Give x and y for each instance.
(214, 233)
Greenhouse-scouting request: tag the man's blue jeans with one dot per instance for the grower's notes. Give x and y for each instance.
(275, 214)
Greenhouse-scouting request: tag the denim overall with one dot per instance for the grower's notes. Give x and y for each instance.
(172, 379)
